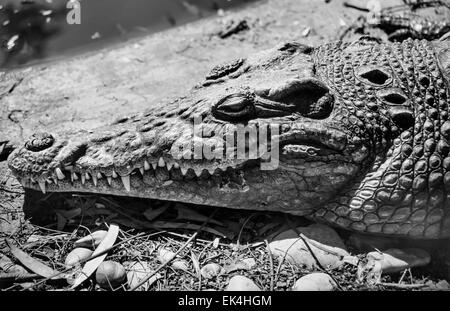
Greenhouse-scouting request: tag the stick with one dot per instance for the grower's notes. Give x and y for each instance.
(348, 4)
(271, 265)
(19, 277)
(403, 286)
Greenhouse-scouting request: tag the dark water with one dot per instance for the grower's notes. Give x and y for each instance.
(33, 30)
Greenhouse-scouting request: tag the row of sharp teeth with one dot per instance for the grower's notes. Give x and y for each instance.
(59, 175)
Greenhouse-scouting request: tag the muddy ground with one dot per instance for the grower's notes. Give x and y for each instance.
(93, 89)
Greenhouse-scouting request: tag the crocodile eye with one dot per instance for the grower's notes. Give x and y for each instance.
(39, 141)
(375, 76)
(235, 107)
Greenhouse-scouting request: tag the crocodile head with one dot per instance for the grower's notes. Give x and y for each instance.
(353, 134)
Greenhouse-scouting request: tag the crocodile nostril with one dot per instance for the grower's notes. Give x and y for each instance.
(311, 98)
(39, 142)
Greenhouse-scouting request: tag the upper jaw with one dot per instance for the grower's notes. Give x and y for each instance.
(63, 163)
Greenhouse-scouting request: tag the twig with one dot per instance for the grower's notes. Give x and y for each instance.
(242, 228)
(271, 265)
(403, 286)
(19, 277)
(283, 259)
(11, 191)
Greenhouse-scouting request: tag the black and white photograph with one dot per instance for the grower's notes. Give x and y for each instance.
(227, 153)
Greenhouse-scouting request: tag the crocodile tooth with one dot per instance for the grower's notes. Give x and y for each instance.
(33, 180)
(59, 173)
(211, 170)
(161, 162)
(126, 182)
(88, 176)
(154, 165)
(94, 179)
(49, 181)
(146, 165)
(74, 176)
(167, 183)
(114, 174)
(109, 179)
(184, 170)
(176, 165)
(99, 175)
(169, 166)
(83, 178)
(141, 169)
(68, 167)
(198, 171)
(42, 185)
(55, 180)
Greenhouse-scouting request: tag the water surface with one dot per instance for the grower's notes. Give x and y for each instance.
(34, 30)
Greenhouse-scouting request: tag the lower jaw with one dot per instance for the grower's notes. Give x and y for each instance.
(200, 191)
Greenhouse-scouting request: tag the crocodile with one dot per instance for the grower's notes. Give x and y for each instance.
(359, 130)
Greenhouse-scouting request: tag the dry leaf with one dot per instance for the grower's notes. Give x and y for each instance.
(34, 265)
(92, 240)
(5, 263)
(195, 263)
(92, 265)
(216, 243)
(190, 214)
(165, 255)
(153, 213)
(69, 214)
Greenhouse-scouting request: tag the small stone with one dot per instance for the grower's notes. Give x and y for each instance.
(315, 282)
(180, 265)
(210, 270)
(241, 283)
(325, 243)
(110, 275)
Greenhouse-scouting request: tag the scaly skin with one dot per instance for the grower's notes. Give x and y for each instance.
(363, 131)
